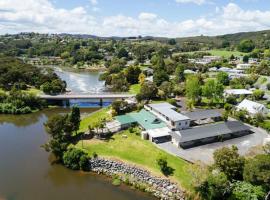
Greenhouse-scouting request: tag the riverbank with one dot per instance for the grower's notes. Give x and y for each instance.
(161, 188)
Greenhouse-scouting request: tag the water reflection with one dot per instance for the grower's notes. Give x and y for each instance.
(26, 172)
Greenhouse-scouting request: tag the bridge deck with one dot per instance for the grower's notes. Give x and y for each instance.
(86, 96)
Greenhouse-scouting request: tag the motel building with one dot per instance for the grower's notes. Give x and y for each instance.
(163, 123)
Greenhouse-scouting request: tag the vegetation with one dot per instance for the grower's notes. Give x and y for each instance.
(234, 177)
(143, 153)
(16, 74)
(61, 129)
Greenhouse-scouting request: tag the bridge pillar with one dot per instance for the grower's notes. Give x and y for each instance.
(101, 102)
(66, 103)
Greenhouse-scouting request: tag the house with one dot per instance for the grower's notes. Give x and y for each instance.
(237, 92)
(209, 133)
(188, 71)
(167, 113)
(244, 66)
(252, 107)
(201, 117)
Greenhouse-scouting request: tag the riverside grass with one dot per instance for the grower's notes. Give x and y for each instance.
(132, 149)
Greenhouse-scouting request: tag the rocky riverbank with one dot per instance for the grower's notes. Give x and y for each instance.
(161, 188)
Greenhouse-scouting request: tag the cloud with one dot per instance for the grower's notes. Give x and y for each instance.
(42, 16)
(147, 16)
(93, 2)
(199, 2)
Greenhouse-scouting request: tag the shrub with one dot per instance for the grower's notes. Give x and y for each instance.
(244, 190)
(75, 159)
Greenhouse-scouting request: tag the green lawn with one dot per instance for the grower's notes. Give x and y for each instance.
(225, 53)
(218, 52)
(93, 118)
(33, 91)
(134, 89)
(140, 152)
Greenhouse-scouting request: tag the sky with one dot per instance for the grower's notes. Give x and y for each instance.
(163, 18)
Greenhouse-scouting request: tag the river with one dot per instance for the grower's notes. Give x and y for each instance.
(81, 82)
(26, 172)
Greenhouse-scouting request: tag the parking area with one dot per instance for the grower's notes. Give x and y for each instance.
(205, 153)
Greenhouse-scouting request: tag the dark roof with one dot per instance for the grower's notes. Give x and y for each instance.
(210, 131)
(203, 114)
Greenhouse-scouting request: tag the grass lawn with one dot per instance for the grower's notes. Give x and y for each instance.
(134, 89)
(217, 52)
(33, 91)
(140, 152)
(93, 118)
(225, 53)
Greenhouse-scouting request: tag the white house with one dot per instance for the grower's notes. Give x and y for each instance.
(252, 107)
(167, 113)
(243, 66)
(237, 92)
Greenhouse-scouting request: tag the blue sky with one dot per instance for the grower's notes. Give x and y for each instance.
(172, 18)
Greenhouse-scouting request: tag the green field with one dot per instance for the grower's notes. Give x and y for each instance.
(143, 153)
(223, 53)
(134, 89)
(93, 118)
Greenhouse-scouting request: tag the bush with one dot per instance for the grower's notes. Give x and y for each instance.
(244, 190)
(257, 170)
(216, 186)
(228, 160)
(163, 165)
(75, 159)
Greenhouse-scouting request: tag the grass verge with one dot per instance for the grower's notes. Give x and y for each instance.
(135, 89)
(133, 149)
(94, 118)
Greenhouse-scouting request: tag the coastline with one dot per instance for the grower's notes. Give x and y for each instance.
(141, 179)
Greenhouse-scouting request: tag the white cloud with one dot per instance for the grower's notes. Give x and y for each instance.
(199, 2)
(42, 16)
(93, 2)
(147, 16)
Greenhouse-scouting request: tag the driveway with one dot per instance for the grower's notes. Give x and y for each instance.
(205, 153)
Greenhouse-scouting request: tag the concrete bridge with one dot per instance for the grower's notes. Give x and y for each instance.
(99, 98)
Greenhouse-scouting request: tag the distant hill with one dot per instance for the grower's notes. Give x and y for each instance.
(258, 37)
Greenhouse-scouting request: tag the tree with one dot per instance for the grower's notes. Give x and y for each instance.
(160, 74)
(244, 190)
(216, 186)
(258, 94)
(223, 78)
(120, 107)
(267, 53)
(132, 74)
(122, 53)
(246, 46)
(75, 118)
(179, 73)
(75, 159)
(142, 78)
(245, 59)
(193, 88)
(209, 89)
(163, 165)
(257, 170)
(228, 160)
(172, 42)
(167, 88)
(59, 142)
(148, 91)
(119, 83)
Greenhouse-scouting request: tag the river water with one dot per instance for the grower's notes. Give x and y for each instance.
(81, 82)
(26, 172)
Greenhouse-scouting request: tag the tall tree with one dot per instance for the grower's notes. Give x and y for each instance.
(229, 161)
(193, 88)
